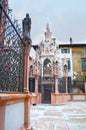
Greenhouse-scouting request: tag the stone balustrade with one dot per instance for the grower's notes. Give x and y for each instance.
(77, 97)
(35, 98)
(15, 112)
(59, 98)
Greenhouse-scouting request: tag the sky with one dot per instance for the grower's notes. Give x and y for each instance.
(66, 18)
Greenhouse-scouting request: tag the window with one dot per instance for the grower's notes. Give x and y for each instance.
(65, 50)
(84, 50)
(83, 64)
(69, 65)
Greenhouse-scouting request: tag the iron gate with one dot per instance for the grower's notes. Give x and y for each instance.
(11, 55)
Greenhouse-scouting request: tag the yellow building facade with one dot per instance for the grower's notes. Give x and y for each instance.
(79, 61)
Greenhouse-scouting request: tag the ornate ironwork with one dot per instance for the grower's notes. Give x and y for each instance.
(11, 56)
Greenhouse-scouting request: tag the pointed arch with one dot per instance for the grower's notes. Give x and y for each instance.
(47, 67)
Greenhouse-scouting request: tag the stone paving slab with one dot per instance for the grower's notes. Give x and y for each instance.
(69, 116)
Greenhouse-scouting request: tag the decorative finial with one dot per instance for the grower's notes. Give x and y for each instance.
(47, 27)
(47, 33)
(71, 40)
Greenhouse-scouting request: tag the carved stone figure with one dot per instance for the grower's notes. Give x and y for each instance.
(26, 26)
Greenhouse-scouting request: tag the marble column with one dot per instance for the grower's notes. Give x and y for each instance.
(56, 83)
(85, 86)
(36, 82)
(26, 68)
(66, 78)
(27, 123)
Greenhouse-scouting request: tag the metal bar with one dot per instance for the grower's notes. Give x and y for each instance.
(11, 22)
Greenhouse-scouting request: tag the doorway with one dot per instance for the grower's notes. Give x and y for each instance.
(46, 94)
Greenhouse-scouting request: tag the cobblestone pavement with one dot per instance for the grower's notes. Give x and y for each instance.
(69, 116)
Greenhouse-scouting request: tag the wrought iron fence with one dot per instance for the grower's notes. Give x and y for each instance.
(51, 81)
(11, 55)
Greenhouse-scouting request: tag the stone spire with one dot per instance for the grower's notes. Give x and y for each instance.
(48, 34)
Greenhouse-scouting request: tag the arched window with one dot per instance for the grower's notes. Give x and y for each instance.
(31, 71)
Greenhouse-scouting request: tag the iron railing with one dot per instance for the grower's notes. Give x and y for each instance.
(11, 55)
(51, 81)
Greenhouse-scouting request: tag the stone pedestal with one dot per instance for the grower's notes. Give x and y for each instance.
(27, 123)
(58, 98)
(36, 97)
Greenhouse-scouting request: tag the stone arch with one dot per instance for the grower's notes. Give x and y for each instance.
(47, 67)
(31, 71)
